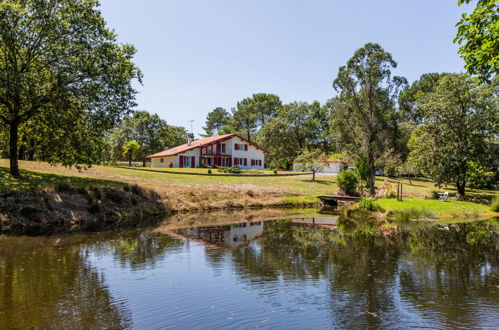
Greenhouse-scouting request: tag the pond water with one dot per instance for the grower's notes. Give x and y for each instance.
(306, 273)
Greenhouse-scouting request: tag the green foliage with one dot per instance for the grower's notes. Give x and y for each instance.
(216, 121)
(347, 181)
(295, 127)
(253, 112)
(495, 205)
(364, 114)
(435, 194)
(460, 125)
(209, 171)
(369, 204)
(152, 133)
(479, 177)
(130, 150)
(64, 79)
(312, 161)
(478, 37)
(233, 170)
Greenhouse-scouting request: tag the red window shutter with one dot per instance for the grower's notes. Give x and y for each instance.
(193, 162)
(252, 162)
(181, 160)
(236, 161)
(236, 146)
(245, 147)
(245, 161)
(230, 162)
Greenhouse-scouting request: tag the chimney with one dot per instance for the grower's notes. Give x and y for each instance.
(189, 141)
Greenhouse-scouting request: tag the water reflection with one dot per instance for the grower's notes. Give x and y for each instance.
(315, 271)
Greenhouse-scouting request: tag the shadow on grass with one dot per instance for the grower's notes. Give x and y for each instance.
(36, 180)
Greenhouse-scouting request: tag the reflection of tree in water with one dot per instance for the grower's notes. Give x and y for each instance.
(366, 269)
(44, 285)
(452, 267)
(137, 249)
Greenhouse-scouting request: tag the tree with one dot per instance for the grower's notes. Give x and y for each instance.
(130, 151)
(152, 133)
(312, 161)
(364, 113)
(408, 105)
(216, 121)
(63, 73)
(478, 36)
(460, 124)
(253, 112)
(296, 126)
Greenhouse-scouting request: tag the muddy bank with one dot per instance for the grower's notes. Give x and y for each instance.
(68, 210)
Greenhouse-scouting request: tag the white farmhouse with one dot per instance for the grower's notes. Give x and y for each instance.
(213, 151)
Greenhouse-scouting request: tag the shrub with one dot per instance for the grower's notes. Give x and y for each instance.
(369, 204)
(495, 205)
(387, 190)
(347, 181)
(275, 172)
(435, 194)
(234, 169)
(209, 171)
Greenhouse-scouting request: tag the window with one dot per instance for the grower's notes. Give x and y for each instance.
(245, 147)
(236, 146)
(245, 161)
(223, 148)
(185, 161)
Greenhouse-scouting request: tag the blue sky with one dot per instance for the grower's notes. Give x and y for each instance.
(200, 54)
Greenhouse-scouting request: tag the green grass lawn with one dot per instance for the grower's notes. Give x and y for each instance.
(192, 190)
(442, 209)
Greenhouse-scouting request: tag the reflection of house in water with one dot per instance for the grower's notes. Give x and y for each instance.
(229, 235)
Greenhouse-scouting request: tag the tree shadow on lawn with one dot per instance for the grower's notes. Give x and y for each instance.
(324, 182)
(36, 180)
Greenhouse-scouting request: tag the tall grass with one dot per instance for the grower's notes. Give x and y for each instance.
(413, 213)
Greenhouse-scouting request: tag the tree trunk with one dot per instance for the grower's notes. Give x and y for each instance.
(130, 160)
(460, 185)
(14, 139)
(144, 163)
(313, 175)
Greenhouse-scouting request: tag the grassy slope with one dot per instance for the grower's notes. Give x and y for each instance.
(207, 192)
(442, 209)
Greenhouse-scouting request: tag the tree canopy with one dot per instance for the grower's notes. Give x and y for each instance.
(460, 125)
(478, 37)
(216, 120)
(364, 113)
(64, 79)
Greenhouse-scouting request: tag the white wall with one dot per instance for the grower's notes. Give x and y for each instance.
(333, 168)
(252, 153)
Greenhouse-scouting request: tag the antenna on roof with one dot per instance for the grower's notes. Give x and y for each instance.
(191, 121)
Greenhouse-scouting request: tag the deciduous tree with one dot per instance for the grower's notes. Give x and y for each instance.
(130, 151)
(478, 36)
(364, 113)
(461, 123)
(63, 73)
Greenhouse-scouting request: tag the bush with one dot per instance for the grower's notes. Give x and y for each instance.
(369, 204)
(347, 181)
(233, 170)
(435, 195)
(275, 172)
(209, 171)
(495, 205)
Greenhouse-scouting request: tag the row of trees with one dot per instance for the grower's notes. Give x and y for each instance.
(66, 94)
(443, 126)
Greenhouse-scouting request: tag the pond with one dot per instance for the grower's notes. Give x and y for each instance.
(297, 272)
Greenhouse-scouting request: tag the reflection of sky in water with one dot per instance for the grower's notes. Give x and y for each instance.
(275, 274)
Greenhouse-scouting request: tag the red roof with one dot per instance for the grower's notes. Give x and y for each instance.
(199, 144)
